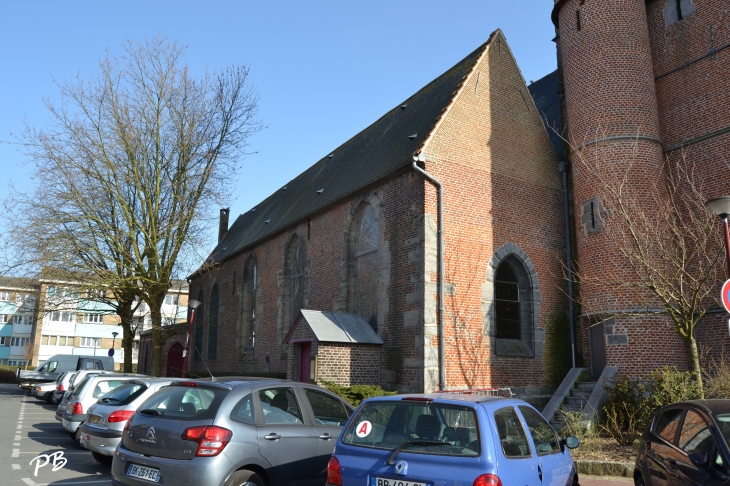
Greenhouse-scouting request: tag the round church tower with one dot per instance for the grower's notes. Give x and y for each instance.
(613, 125)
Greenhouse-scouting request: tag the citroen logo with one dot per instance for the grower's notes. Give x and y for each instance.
(151, 433)
(401, 468)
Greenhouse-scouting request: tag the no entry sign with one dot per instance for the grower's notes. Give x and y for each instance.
(725, 296)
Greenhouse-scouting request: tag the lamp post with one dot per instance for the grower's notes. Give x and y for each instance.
(721, 207)
(114, 340)
(193, 304)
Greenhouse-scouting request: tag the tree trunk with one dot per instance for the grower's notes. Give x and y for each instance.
(157, 340)
(694, 358)
(124, 311)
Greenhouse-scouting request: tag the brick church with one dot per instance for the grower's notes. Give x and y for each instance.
(428, 251)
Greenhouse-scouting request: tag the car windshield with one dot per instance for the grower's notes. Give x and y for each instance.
(124, 394)
(185, 403)
(425, 428)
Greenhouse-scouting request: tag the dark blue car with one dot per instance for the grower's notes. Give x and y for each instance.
(450, 440)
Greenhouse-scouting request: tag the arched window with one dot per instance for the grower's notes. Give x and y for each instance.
(365, 266)
(213, 324)
(507, 302)
(199, 317)
(293, 282)
(248, 318)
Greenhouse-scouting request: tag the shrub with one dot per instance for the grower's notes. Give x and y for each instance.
(356, 393)
(630, 404)
(7, 374)
(588, 431)
(717, 380)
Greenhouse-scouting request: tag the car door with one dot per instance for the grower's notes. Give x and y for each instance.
(659, 445)
(515, 458)
(329, 415)
(554, 462)
(286, 438)
(696, 434)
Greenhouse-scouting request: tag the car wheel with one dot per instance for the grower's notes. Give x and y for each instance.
(49, 397)
(638, 480)
(77, 437)
(54, 400)
(244, 478)
(102, 459)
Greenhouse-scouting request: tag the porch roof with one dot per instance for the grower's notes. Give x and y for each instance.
(336, 327)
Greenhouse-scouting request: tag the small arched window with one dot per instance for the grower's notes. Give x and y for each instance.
(365, 256)
(248, 318)
(213, 324)
(199, 317)
(293, 282)
(507, 302)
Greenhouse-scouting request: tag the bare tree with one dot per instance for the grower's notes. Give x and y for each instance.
(668, 255)
(127, 169)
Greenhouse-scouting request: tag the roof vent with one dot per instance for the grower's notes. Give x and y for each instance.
(267, 221)
(320, 191)
(253, 209)
(283, 188)
(330, 155)
(403, 106)
(224, 248)
(413, 137)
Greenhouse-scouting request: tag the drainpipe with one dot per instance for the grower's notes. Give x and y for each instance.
(564, 168)
(442, 359)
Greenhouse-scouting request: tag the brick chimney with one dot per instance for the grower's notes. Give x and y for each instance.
(223, 224)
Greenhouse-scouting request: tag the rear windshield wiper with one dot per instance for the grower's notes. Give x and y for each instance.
(149, 411)
(107, 400)
(420, 442)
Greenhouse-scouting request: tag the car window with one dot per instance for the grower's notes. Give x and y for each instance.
(697, 435)
(243, 411)
(51, 366)
(80, 385)
(544, 438)
(184, 403)
(123, 394)
(105, 386)
(666, 425)
(280, 406)
(390, 424)
(327, 410)
(512, 436)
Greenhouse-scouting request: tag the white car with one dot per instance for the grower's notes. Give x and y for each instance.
(44, 391)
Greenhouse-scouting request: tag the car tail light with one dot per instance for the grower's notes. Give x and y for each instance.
(488, 480)
(188, 383)
(77, 409)
(126, 427)
(120, 416)
(61, 388)
(334, 478)
(210, 438)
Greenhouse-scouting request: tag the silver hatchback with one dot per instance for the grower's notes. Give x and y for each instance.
(234, 432)
(105, 420)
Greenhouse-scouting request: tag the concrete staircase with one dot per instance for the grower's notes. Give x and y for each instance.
(577, 394)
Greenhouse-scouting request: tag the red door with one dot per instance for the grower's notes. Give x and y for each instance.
(305, 351)
(175, 360)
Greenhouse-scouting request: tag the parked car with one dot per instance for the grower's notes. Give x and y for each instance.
(105, 420)
(232, 432)
(44, 391)
(51, 368)
(63, 384)
(86, 394)
(75, 381)
(450, 440)
(686, 443)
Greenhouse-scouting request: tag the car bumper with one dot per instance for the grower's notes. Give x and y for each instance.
(103, 441)
(72, 422)
(175, 472)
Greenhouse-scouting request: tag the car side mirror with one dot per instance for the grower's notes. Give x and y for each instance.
(699, 458)
(570, 442)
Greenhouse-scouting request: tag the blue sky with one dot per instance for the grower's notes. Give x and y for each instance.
(324, 69)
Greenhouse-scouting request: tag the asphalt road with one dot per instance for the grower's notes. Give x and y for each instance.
(28, 429)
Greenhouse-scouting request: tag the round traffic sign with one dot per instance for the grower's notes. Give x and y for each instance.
(725, 295)
(111, 352)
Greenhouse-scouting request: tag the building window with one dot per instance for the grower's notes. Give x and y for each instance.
(676, 10)
(19, 341)
(199, 328)
(293, 282)
(59, 316)
(94, 318)
(3, 318)
(16, 362)
(248, 318)
(171, 299)
(4, 296)
(89, 342)
(213, 324)
(365, 264)
(21, 320)
(96, 294)
(4, 341)
(507, 303)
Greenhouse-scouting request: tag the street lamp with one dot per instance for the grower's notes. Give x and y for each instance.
(721, 207)
(193, 304)
(114, 340)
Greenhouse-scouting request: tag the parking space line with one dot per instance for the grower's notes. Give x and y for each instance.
(16, 453)
(16, 466)
(30, 482)
(46, 450)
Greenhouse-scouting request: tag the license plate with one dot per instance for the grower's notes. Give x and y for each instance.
(147, 473)
(393, 482)
(94, 419)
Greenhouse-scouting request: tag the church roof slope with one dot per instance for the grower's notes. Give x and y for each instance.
(544, 92)
(381, 149)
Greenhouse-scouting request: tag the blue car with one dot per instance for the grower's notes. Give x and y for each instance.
(450, 440)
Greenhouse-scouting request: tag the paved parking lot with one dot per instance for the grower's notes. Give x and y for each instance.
(28, 429)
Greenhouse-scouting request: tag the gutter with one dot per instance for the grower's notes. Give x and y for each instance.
(439, 186)
(564, 168)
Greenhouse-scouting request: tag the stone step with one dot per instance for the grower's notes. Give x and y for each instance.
(581, 401)
(577, 393)
(586, 385)
(572, 408)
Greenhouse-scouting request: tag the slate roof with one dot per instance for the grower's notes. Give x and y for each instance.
(545, 93)
(336, 327)
(19, 282)
(380, 150)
